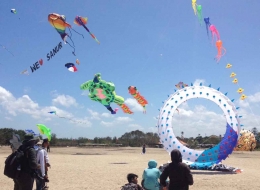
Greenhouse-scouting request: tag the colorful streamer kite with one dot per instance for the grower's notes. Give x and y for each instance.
(140, 99)
(80, 21)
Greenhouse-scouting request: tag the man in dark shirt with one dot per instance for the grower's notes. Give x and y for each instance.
(28, 164)
(178, 172)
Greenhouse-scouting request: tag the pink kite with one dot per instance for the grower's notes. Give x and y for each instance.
(214, 32)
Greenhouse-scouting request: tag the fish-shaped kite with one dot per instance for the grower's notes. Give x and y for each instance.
(140, 99)
(80, 21)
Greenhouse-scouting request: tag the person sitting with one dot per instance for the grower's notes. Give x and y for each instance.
(151, 176)
(132, 183)
(178, 172)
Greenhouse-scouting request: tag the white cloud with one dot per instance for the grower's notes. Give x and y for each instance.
(117, 121)
(94, 115)
(107, 124)
(8, 118)
(123, 119)
(25, 105)
(64, 100)
(107, 115)
(133, 127)
(133, 104)
(198, 81)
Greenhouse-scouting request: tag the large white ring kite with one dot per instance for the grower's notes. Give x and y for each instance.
(195, 158)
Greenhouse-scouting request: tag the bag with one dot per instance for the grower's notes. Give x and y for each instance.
(13, 164)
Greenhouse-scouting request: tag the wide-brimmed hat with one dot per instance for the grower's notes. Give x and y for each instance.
(29, 138)
(39, 142)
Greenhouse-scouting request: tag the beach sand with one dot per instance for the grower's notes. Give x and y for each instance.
(106, 169)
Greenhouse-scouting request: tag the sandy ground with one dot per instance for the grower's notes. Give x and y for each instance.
(106, 169)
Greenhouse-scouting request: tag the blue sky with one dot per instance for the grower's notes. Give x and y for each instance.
(149, 44)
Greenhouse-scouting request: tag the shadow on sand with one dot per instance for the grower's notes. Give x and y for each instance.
(212, 173)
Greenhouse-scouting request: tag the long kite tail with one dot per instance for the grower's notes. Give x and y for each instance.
(7, 49)
(92, 35)
(125, 109)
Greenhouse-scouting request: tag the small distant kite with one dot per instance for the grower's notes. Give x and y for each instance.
(233, 74)
(13, 11)
(194, 6)
(25, 72)
(80, 21)
(243, 96)
(206, 20)
(228, 66)
(73, 120)
(30, 131)
(235, 81)
(71, 67)
(181, 85)
(240, 90)
(44, 130)
(140, 99)
(77, 61)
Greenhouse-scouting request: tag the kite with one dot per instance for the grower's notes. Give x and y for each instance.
(243, 97)
(77, 61)
(228, 66)
(80, 21)
(194, 6)
(235, 81)
(206, 20)
(220, 48)
(199, 11)
(240, 90)
(25, 72)
(30, 131)
(71, 67)
(104, 92)
(214, 32)
(233, 74)
(60, 24)
(246, 142)
(181, 85)
(140, 99)
(13, 11)
(44, 130)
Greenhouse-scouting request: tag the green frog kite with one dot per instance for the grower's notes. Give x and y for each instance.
(104, 92)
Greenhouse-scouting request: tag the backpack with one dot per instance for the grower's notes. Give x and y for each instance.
(13, 164)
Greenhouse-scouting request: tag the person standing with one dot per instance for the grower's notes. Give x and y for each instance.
(28, 164)
(178, 172)
(143, 149)
(40, 182)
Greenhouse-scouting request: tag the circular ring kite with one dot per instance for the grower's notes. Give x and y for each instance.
(194, 158)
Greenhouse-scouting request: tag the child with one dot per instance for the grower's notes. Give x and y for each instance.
(132, 185)
(151, 176)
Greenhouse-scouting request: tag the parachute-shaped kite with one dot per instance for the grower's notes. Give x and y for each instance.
(44, 130)
(80, 21)
(71, 67)
(246, 142)
(140, 99)
(181, 85)
(104, 92)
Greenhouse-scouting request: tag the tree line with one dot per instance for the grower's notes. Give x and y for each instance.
(133, 139)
